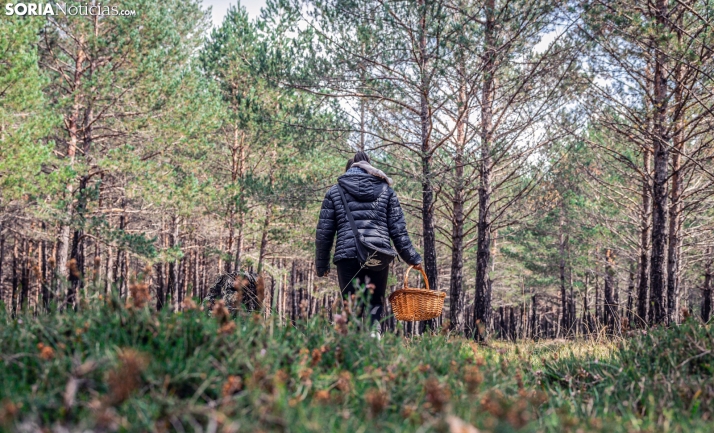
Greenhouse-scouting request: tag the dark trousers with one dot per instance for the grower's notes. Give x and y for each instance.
(351, 278)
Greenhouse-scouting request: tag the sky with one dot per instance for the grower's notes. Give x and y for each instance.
(220, 7)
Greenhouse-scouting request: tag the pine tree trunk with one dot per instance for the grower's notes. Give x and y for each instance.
(96, 266)
(610, 309)
(427, 210)
(109, 273)
(121, 259)
(535, 331)
(235, 171)
(239, 241)
(645, 211)
(117, 272)
(572, 326)
(598, 310)
(184, 281)
(162, 282)
(24, 279)
(37, 274)
(194, 282)
(76, 278)
(264, 236)
(241, 213)
(75, 269)
(565, 320)
(659, 190)
(707, 289)
(173, 281)
(675, 207)
(231, 234)
(586, 308)
(124, 277)
(160, 293)
(46, 292)
(2, 261)
(456, 298)
(72, 122)
(15, 279)
(630, 290)
(204, 274)
(482, 303)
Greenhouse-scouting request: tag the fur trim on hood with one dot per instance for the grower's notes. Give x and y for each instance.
(364, 165)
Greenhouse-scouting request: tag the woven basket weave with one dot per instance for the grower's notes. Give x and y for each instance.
(411, 305)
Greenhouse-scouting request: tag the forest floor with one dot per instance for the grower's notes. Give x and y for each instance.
(112, 368)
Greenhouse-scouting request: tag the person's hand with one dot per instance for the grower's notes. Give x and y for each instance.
(418, 267)
(327, 272)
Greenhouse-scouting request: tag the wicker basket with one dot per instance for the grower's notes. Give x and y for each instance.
(411, 305)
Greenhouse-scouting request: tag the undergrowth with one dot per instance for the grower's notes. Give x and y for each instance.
(111, 368)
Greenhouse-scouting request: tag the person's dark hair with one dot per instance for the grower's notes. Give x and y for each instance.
(361, 156)
(349, 163)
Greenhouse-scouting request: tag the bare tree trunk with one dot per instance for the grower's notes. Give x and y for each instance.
(173, 281)
(456, 301)
(194, 283)
(36, 276)
(2, 261)
(610, 310)
(239, 240)
(72, 122)
(63, 251)
(630, 289)
(185, 271)
(707, 292)
(43, 295)
(264, 235)
(96, 266)
(598, 304)
(109, 271)
(15, 280)
(121, 259)
(427, 210)
(482, 303)
(535, 330)
(24, 277)
(236, 160)
(76, 279)
(572, 312)
(562, 240)
(675, 207)
(231, 234)
(117, 272)
(46, 288)
(241, 212)
(124, 276)
(160, 284)
(659, 190)
(582, 326)
(644, 241)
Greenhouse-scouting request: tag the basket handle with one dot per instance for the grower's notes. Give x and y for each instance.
(423, 275)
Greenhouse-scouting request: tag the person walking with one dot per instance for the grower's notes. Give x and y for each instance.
(363, 211)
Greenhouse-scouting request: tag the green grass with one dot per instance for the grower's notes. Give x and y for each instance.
(108, 368)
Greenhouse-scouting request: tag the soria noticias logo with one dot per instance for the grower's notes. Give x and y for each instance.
(57, 8)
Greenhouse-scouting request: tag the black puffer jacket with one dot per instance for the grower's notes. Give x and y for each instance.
(377, 214)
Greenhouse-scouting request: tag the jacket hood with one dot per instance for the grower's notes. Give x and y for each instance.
(366, 166)
(363, 187)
